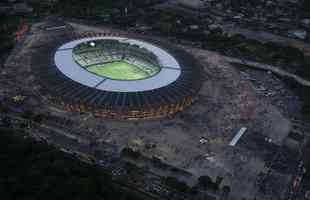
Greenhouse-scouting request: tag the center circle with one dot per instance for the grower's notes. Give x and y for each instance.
(116, 60)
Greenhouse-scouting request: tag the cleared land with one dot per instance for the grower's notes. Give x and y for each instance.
(227, 101)
(119, 71)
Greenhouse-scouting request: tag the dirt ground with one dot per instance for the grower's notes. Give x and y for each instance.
(225, 103)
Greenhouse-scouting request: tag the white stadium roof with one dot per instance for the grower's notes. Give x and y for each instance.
(170, 68)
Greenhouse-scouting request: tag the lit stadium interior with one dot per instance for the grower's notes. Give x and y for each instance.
(118, 77)
(115, 60)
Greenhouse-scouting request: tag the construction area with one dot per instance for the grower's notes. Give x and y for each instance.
(235, 131)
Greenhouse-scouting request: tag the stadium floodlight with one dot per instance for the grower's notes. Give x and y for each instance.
(92, 44)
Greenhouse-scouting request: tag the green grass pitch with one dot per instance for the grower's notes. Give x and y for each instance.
(118, 71)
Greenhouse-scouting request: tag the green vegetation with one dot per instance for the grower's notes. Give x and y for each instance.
(119, 71)
(167, 22)
(8, 26)
(127, 151)
(207, 183)
(304, 93)
(41, 8)
(306, 160)
(306, 6)
(83, 9)
(32, 170)
(176, 184)
(288, 58)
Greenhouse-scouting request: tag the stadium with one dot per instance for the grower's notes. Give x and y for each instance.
(117, 77)
(115, 60)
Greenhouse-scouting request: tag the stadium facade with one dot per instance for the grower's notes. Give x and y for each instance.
(117, 77)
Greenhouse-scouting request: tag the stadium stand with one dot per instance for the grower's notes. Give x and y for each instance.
(73, 96)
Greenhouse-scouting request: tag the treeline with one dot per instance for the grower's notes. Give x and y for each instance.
(91, 9)
(288, 58)
(306, 6)
(71, 8)
(304, 94)
(8, 25)
(78, 8)
(33, 170)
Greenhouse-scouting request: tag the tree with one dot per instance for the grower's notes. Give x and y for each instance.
(33, 170)
(226, 190)
(28, 114)
(306, 5)
(176, 184)
(205, 181)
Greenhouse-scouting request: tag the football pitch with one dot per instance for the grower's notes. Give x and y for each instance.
(119, 71)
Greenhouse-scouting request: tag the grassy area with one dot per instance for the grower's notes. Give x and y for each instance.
(119, 71)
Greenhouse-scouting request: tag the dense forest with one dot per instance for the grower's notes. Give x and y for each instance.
(8, 25)
(306, 5)
(33, 170)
